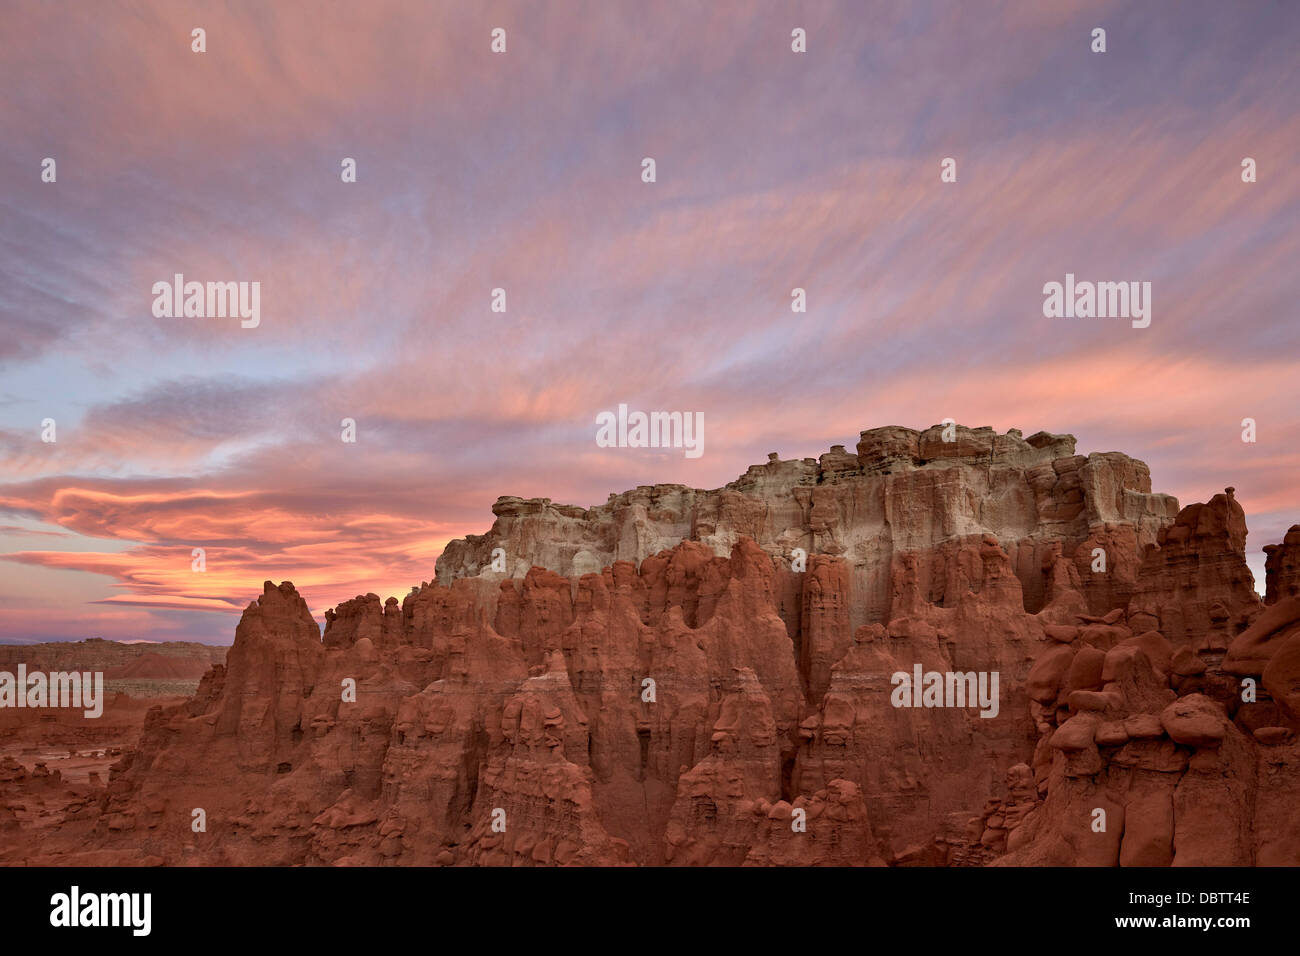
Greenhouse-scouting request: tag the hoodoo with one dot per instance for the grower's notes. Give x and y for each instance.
(499, 715)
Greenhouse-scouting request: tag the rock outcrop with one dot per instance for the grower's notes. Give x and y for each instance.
(950, 648)
(1282, 567)
(904, 492)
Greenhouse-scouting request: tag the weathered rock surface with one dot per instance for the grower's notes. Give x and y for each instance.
(1194, 584)
(903, 493)
(1282, 567)
(990, 650)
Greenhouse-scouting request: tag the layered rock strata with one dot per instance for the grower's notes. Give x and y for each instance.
(666, 680)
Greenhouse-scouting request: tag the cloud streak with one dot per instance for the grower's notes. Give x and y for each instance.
(522, 172)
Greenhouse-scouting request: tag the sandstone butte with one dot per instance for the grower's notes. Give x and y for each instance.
(522, 691)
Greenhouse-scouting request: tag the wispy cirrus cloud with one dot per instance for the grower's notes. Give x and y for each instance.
(521, 172)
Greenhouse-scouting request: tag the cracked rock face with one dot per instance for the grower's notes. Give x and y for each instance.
(665, 680)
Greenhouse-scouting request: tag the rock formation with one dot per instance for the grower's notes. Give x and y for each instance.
(111, 657)
(951, 648)
(903, 493)
(1282, 567)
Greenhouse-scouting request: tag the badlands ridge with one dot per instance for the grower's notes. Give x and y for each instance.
(691, 677)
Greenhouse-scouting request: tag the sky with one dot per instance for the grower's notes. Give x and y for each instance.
(523, 171)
